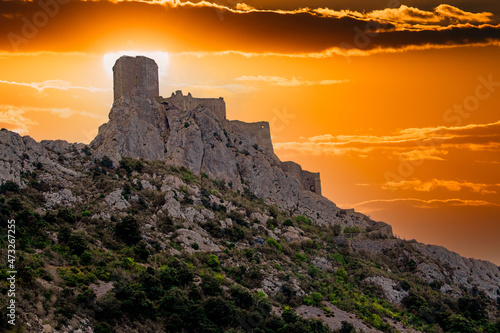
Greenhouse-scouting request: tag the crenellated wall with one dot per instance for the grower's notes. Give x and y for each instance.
(135, 75)
(310, 180)
(260, 130)
(188, 102)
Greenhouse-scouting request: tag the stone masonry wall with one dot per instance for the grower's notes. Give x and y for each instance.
(135, 76)
(310, 180)
(260, 130)
(182, 102)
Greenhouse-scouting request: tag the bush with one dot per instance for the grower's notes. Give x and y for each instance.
(141, 251)
(77, 243)
(337, 229)
(66, 215)
(106, 162)
(9, 186)
(314, 299)
(218, 310)
(303, 219)
(128, 230)
(213, 261)
(211, 286)
(15, 204)
(272, 242)
(241, 297)
(347, 327)
(130, 165)
(85, 258)
(177, 273)
(351, 230)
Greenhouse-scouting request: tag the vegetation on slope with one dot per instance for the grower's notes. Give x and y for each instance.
(124, 271)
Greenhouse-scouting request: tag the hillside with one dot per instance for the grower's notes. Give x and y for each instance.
(147, 247)
(175, 219)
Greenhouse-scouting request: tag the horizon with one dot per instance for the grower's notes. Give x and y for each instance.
(401, 123)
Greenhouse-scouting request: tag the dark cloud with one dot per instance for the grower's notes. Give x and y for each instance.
(79, 26)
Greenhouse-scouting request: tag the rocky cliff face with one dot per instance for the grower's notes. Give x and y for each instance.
(194, 136)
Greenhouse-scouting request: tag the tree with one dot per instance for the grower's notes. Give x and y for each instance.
(77, 243)
(218, 310)
(128, 230)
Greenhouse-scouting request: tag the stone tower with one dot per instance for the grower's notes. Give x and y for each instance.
(135, 76)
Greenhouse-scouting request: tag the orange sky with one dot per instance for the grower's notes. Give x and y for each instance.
(396, 106)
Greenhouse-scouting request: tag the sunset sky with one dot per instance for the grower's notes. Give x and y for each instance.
(396, 103)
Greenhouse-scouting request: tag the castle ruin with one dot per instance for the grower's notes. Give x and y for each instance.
(139, 76)
(135, 75)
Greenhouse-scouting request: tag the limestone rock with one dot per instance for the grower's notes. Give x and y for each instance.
(61, 198)
(136, 129)
(116, 201)
(23, 154)
(392, 290)
(190, 237)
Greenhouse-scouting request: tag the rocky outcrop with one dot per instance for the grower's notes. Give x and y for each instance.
(23, 154)
(438, 265)
(136, 129)
(392, 289)
(191, 132)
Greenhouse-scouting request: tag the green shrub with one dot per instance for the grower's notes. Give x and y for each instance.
(85, 258)
(302, 219)
(351, 230)
(272, 242)
(210, 285)
(314, 299)
(213, 261)
(77, 243)
(241, 297)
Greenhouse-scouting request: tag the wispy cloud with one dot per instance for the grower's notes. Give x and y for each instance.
(15, 116)
(288, 82)
(442, 14)
(434, 184)
(429, 143)
(455, 13)
(53, 84)
(432, 203)
(423, 154)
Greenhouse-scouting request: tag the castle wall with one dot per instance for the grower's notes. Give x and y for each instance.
(292, 168)
(310, 180)
(260, 130)
(182, 102)
(135, 75)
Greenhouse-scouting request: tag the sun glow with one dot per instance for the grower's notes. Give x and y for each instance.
(161, 59)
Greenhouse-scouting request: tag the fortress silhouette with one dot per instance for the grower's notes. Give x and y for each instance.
(139, 76)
